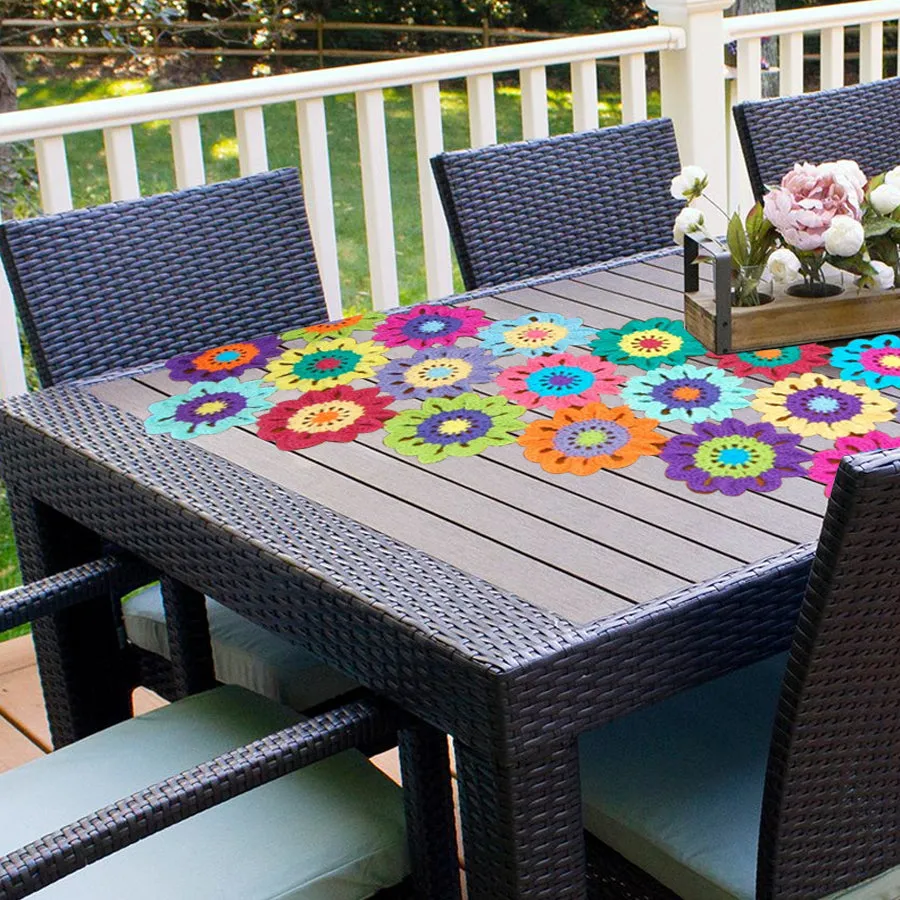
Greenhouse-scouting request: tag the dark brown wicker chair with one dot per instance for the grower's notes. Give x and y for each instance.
(802, 808)
(858, 122)
(128, 284)
(535, 207)
(334, 830)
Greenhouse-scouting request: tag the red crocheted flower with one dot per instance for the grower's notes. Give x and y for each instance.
(775, 364)
(337, 414)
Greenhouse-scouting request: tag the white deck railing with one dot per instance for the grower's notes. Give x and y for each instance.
(689, 40)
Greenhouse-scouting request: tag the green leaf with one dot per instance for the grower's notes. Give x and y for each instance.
(736, 237)
(876, 225)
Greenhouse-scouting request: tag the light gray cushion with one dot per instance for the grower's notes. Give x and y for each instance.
(243, 653)
(333, 831)
(677, 788)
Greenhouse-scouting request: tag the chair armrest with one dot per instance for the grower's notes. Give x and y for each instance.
(58, 592)
(31, 868)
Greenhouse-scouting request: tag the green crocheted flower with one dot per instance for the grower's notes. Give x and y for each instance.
(454, 426)
(648, 344)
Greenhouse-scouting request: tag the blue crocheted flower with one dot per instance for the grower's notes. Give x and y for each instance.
(209, 408)
(874, 361)
(686, 393)
(534, 335)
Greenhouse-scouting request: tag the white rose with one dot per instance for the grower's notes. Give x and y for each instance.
(690, 184)
(844, 237)
(885, 198)
(884, 278)
(688, 221)
(893, 177)
(783, 266)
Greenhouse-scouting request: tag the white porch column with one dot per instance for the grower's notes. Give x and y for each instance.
(692, 83)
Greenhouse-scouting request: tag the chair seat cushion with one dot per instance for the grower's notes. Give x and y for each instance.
(332, 831)
(243, 653)
(677, 788)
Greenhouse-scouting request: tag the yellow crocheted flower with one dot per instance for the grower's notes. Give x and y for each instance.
(812, 404)
(325, 364)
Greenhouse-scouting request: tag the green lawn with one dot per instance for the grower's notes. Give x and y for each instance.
(153, 147)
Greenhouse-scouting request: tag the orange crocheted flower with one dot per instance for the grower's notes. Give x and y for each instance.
(584, 439)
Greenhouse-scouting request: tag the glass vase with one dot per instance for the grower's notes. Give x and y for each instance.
(746, 286)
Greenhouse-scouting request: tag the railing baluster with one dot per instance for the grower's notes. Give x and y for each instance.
(251, 138)
(376, 182)
(533, 84)
(633, 87)
(53, 174)
(584, 95)
(871, 51)
(317, 192)
(482, 118)
(12, 368)
(749, 72)
(429, 142)
(790, 49)
(121, 163)
(832, 51)
(187, 150)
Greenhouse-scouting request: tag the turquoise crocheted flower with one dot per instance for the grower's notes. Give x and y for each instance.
(534, 335)
(647, 344)
(874, 361)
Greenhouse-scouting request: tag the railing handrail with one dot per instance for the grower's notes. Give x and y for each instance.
(191, 101)
(810, 18)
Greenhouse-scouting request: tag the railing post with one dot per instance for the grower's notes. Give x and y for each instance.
(692, 83)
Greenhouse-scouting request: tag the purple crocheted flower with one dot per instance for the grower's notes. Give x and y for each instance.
(437, 372)
(733, 457)
(227, 361)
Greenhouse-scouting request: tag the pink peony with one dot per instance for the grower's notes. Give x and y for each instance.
(810, 197)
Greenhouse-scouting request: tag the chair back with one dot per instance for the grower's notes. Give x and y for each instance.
(831, 809)
(134, 282)
(534, 207)
(858, 122)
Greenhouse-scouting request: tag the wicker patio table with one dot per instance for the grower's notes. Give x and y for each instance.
(509, 606)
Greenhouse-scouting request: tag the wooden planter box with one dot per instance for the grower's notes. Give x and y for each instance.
(785, 320)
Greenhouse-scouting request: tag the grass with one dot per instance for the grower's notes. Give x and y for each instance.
(154, 157)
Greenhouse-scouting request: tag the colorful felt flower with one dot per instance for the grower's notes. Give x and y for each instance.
(337, 414)
(455, 426)
(813, 404)
(733, 457)
(825, 462)
(560, 380)
(775, 364)
(584, 439)
(364, 321)
(437, 372)
(227, 361)
(325, 364)
(534, 335)
(647, 344)
(430, 325)
(686, 393)
(209, 407)
(874, 361)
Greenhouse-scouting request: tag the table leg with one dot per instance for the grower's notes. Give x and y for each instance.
(522, 829)
(82, 667)
(427, 790)
(187, 627)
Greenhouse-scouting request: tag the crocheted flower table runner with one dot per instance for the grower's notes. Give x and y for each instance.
(444, 380)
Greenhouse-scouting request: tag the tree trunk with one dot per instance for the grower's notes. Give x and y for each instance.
(7, 151)
(769, 46)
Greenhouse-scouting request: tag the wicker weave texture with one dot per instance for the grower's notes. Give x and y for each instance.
(138, 281)
(860, 122)
(523, 209)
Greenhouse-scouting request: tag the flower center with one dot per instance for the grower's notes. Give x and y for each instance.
(651, 342)
(210, 407)
(454, 426)
(686, 392)
(532, 336)
(227, 356)
(735, 456)
(890, 361)
(823, 404)
(768, 354)
(591, 438)
(559, 381)
(330, 416)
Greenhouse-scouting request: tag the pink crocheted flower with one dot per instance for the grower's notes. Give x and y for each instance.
(809, 197)
(559, 380)
(430, 325)
(825, 463)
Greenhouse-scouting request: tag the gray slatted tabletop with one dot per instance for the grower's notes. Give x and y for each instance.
(510, 607)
